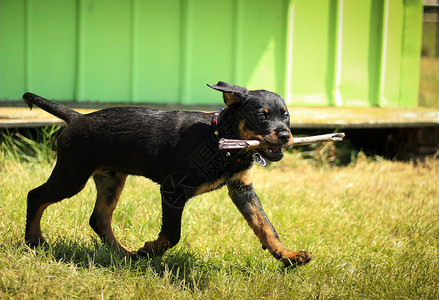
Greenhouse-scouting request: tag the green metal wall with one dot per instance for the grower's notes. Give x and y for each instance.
(314, 53)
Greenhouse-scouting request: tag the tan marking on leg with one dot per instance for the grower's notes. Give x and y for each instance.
(33, 233)
(271, 242)
(106, 202)
(246, 177)
(264, 232)
(210, 186)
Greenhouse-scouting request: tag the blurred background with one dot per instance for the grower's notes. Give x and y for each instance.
(369, 68)
(314, 53)
(429, 83)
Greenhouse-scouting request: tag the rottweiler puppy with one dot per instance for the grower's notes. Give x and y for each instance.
(176, 149)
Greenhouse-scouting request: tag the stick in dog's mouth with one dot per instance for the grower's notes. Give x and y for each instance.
(297, 141)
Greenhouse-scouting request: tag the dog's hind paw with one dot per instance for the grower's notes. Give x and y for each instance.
(36, 243)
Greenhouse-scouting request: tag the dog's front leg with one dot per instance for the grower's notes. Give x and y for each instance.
(248, 203)
(174, 197)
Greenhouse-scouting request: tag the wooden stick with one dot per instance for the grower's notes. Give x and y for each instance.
(297, 141)
(306, 140)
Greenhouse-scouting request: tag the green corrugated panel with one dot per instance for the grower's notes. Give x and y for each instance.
(260, 44)
(156, 51)
(315, 53)
(12, 49)
(207, 52)
(105, 56)
(400, 50)
(240, 41)
(391, 53)
(311, 52)
(51, 47)
(410, 58)
(359, 34)
(353, 53)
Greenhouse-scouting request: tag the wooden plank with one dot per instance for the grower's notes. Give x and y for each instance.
(301, 117)
(372, 117)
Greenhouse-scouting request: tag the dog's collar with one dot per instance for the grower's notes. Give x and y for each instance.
(215, 120)
(255, 157)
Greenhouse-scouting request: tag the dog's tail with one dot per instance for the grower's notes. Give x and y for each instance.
(56, 109)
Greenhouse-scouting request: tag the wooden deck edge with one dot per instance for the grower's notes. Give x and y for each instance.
(301, 117)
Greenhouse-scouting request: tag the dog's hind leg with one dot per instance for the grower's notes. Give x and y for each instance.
(67, 179)
(109, 186)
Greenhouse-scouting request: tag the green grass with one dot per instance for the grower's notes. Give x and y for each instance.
(372, 227)
(29, 144)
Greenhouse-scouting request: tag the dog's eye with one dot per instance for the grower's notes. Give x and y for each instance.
(261, 116)
(286, 115)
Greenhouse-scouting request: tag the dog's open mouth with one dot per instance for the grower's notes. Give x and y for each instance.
(271, 153)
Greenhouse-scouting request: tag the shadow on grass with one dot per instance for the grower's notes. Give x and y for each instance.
(180, 267)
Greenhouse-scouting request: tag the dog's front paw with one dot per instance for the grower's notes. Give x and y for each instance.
(296, 258)
(150, 249)
(144, 253)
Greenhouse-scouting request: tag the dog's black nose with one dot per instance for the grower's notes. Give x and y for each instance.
(284, 136)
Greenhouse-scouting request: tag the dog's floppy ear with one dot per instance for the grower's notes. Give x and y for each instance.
(231, 93)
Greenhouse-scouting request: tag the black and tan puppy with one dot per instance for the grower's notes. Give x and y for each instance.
(178, 150)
